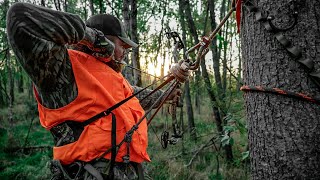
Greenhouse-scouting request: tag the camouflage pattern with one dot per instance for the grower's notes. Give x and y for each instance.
(121, 171)
(39, 38)
(62, 134)
(79, 171)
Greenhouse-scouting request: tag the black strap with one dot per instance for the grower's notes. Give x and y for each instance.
(109, 110)
(139, 169)
(113, 145)
(93, 171)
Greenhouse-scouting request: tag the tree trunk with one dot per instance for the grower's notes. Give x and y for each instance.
(9, 64)
(224, 60)
(128, 73)
(239, 76)
(85, 11)
(11, 88)
(101, 6)
(91, 7)
(219, 115)
(190, 114)
(20, 80)
(65, 5)
(3, 96)
(57, 5)
(214, 50)
(126, 15)
(205, 75)
(163, 62)
(283, 132)
(135, 37)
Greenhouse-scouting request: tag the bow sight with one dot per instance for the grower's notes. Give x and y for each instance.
(178, 43)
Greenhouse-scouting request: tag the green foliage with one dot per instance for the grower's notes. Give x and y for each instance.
(245, 155)
(19, 156)
(171, 163)
(216, 177)
(227, 140)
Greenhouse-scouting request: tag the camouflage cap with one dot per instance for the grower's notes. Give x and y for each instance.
(110, 25)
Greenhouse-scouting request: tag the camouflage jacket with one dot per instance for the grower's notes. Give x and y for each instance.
(39, 38)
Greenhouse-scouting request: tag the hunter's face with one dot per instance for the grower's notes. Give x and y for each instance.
(120, 50)
(120, 53)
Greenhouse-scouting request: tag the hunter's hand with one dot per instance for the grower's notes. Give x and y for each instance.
(95, 43)
(102, 46)
(180, 70)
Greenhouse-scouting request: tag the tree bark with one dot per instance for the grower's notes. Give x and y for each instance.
(128, 73)
(239, 76)
(190, 114)
(20, 80)
(213, 47)
(10, 74)
(43, 3)
(187, 93)
(11, 87)
(219, 115)
(91, 7)
(135, 37)
(85, 11)
(224, 60)
(65, 6)
(101, 9)
(283, 132)
(57, 5)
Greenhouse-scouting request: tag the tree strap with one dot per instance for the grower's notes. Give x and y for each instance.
(266, 19)
(300, 96)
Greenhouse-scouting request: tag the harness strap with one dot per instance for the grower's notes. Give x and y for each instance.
(113, 145)
(93, 171)
(139, 169)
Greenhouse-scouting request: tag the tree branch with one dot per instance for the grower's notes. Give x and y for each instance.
(209, 143)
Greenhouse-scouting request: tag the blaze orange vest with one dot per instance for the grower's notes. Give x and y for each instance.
(99, 87)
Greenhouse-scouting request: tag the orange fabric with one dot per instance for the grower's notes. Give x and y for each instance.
(99, 87)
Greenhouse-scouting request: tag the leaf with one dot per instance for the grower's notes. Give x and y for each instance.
(229, 129)
(220, 38)
(245, 155)
(231, 141)
(225, 140)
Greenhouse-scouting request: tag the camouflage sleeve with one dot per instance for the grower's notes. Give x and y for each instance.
(148, 102)
(38, 37)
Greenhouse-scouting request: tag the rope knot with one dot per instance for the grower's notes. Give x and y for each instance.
(180, 70)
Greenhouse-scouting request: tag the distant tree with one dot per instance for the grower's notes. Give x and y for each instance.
(187, 93)
(135, 38)
(91, 6)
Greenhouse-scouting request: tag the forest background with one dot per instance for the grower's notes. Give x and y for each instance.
(214, 143)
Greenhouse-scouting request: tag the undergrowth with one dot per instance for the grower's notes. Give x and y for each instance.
(25, 147)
